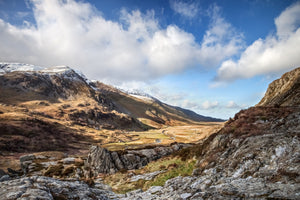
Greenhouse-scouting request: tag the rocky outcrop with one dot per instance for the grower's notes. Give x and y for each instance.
(58, 166)
(252, 157)
(204, 187)
(100, 160)
(40, 187)
(147, 176)
(284, 91)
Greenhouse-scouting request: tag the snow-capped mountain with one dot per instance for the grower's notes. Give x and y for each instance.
(29, 82)
(140, 95)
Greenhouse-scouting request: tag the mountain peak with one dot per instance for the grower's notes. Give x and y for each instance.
(57, 69)
(21, 67)
(11, 67)
(284, 91)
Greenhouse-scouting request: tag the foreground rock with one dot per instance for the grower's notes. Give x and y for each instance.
(100, 160)
(55, 165)
(39, 187)
(205, 187)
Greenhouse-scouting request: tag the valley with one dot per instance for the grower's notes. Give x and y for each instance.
(83, 139)
(59, 110)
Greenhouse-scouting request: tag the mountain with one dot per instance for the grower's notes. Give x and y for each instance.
(150, 110)
(284, 91)
(61, 105)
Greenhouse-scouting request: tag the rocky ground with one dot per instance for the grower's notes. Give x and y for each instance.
(46, 188)
(100, 160)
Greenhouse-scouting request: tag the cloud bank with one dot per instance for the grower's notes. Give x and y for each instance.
(135, 47)
(275, 54)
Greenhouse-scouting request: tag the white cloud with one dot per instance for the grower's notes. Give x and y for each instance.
(188, 104)
(233, 105)
(272, 55)
(209, 104)
(186, 9)
(22, 14)
(133, 48)
(220, 41)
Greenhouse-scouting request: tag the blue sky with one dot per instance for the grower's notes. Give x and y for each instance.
(214, 57)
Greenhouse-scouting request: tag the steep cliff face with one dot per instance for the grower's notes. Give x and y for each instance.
(284, 91)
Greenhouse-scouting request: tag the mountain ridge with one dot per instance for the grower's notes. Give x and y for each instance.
(68, 73)
(34, 102)
(284, 91)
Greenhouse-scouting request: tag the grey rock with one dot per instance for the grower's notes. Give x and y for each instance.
(4, 178)
(147, 176)
(68, 160)
(185, 195)
(39, 187)
(37, 194)
(100, 160)
(29, 157)
(154, 189)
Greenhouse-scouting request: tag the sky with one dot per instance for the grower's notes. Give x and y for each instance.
(213, 57)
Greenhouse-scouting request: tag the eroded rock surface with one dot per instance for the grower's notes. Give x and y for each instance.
(100, 160)
(284, 91)
(39, 187)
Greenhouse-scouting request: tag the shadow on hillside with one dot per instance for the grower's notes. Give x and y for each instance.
(34, 135)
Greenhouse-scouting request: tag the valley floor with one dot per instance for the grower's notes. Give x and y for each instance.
(23, 133)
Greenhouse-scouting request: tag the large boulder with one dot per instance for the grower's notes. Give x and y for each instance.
(100, 160)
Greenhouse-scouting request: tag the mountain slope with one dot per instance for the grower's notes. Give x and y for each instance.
(150, 110)
(256, 155)
(62, 105)
(284, 91)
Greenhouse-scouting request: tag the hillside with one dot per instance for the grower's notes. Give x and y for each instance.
(61, 105)
(284, 91)
(150, 110)
(254, 156)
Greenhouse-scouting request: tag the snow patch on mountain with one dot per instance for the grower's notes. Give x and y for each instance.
(11, 67)
(56, 69)
(61, 69)
(140, 95)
